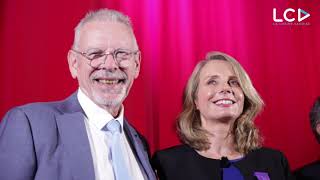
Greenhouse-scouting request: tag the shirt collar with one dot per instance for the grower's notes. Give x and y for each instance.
(96, 115)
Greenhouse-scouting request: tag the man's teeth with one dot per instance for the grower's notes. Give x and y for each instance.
(224, 102)
(105, 81)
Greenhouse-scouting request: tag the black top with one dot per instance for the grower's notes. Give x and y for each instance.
(183, 162)
(309, 172)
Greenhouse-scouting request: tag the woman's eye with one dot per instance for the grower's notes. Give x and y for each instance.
(212, 82)
(234, 83)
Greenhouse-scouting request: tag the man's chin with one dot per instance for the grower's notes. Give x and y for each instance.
(110, 100)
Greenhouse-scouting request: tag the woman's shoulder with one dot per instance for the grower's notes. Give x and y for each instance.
(182, 162)
(168, 157)
(267, 153)
(174, 150)
(268, 161)
(266, 157)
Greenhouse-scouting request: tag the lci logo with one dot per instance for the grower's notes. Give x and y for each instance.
(289, 17)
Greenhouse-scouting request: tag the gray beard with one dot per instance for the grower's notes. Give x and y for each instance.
(111, 103)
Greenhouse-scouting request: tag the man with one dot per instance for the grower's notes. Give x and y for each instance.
(79, 137)
(312, 171)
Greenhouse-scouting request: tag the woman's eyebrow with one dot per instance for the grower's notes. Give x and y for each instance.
(212, 77)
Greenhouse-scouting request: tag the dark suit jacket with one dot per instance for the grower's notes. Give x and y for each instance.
(184, 163)
(48, 141)
(309, 172)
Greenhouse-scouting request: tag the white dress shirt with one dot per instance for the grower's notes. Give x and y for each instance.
(100, 144)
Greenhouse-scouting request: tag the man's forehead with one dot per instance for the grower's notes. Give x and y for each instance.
(105, 34)
(106, 25)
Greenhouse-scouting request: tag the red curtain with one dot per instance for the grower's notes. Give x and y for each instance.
(282, 60)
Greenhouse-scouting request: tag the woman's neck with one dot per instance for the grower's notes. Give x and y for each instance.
(221, 140)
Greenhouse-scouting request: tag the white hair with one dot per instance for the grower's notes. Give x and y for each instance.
(102, 15)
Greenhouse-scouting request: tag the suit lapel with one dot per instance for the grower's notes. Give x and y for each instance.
(139, 150)
(75, 141)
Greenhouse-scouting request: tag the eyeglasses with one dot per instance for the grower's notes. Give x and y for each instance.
(98, 57)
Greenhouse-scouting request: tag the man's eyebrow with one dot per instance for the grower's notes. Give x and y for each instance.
(94, 50)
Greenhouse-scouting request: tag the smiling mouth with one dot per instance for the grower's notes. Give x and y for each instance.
(224, 102)
(110, 81)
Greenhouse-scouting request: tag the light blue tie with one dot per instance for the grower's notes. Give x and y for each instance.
(119, 165)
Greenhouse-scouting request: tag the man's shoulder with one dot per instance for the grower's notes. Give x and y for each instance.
(42, 110)
(313, 165)
(38, 108)
(45, 107)
(309, 170)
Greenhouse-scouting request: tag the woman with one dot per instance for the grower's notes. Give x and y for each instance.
(220, 140)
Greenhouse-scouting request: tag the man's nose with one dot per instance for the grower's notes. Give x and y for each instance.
(109, 62)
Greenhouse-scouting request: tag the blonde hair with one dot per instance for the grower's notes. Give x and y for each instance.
(246, 135)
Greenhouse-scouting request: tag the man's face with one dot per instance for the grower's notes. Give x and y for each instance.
(108, 84)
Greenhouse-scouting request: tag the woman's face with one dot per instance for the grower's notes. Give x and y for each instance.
(219, 95)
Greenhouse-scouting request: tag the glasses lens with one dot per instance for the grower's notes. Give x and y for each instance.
(122, 55)
(94, 56)
(97, 61)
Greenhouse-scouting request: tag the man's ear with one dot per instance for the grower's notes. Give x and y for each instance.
(318, 128)
(73, 64)
(137, 65)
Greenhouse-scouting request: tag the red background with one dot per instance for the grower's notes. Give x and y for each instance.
(282, 61)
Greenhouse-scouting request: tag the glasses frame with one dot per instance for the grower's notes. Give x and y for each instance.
(105, 54)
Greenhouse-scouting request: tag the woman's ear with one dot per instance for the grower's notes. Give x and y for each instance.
(196, 103)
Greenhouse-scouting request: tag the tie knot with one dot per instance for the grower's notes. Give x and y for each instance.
(114, 126)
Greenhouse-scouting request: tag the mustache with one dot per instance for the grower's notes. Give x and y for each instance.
(108, 74)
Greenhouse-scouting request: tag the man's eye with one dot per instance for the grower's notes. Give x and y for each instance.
(123, 55)
(95, 55)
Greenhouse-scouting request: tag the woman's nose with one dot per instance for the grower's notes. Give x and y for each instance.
(226, 88)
